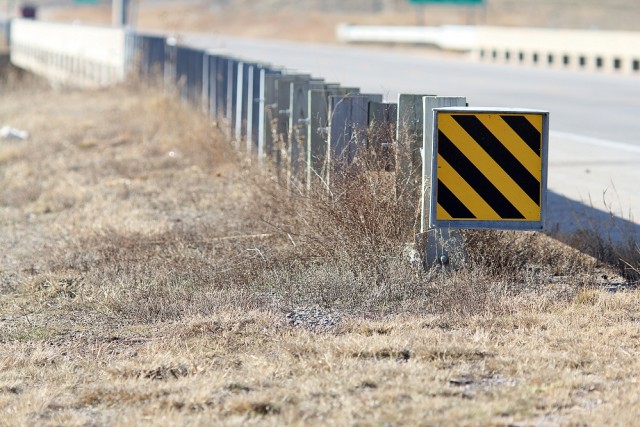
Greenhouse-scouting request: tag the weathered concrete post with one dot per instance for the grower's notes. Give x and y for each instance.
(232, 89)
(220, 94)
(382, 132)
(298, 125)
(212, 87)
(261, 115)
(269, 116)
(348, 128)
(204, 97)
(283, 129)
(169, 65)
(253, 108)
(317, 131)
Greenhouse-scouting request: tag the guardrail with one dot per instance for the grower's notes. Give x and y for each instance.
(594, 50)
(306, 129)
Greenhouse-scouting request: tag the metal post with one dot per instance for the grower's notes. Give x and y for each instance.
(205, 84)
(238, 118)
(250, 95)
(261, 121)
(229, 95)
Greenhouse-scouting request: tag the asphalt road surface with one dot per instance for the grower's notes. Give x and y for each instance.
(594, 147)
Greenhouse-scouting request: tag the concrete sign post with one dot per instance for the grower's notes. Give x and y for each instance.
(429, 104)
(438, 246)
(408, 158)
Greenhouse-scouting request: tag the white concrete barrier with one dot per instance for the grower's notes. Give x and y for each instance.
(613, 51)
(450, 37)
(78, 55)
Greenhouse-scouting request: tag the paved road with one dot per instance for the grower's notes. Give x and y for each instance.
(589, 104)
(595, 118)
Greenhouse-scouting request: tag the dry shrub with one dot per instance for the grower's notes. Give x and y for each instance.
(521, 256)
(349, 242)
(355, 216)
(623, 255)
(346, 241)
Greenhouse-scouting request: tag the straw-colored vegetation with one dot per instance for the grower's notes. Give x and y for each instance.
(150, 277)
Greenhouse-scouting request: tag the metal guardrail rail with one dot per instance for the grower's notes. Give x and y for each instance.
(79, 55)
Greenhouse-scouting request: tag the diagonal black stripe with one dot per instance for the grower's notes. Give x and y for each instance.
(472, 175)
(499, 153)
(525, 130)
(452, 204)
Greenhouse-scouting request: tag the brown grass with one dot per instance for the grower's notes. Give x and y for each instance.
(146, 279)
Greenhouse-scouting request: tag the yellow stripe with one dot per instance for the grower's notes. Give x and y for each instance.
(441, 213)
(535, 120)
(489, 168)
(512, 142)
(464, 192)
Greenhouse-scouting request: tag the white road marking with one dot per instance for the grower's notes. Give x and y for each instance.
(605, 143)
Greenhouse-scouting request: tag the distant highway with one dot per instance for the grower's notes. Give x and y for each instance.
(589, 104)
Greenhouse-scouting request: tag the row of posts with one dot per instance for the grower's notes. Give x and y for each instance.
(303, 125)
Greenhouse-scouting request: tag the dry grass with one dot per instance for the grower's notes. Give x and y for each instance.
(145, 279)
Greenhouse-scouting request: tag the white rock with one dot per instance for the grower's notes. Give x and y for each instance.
(7, 132)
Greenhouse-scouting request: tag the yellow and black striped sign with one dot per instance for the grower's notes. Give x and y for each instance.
(489, 168)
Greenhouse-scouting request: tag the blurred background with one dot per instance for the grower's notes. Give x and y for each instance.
(315, 20)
